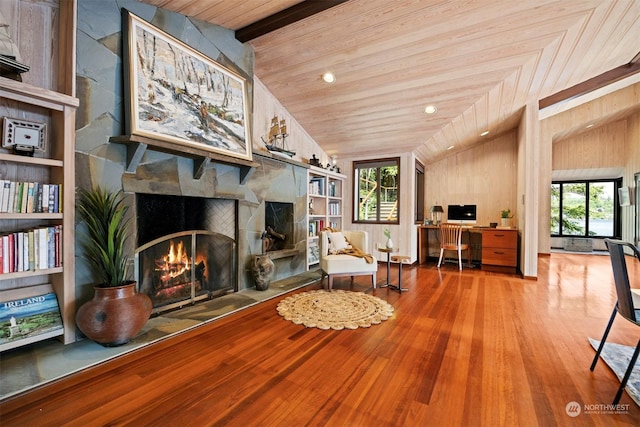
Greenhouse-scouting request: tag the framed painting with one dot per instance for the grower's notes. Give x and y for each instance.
(180, 96)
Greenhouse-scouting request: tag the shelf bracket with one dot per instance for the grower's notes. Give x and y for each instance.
(245, 174)
(199, 166)
(135, 151)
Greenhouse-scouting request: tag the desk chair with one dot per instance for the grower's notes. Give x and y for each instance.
(624, 306)
(451, 240)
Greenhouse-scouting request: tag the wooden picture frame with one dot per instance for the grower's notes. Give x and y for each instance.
(24, 134)
(178, 95)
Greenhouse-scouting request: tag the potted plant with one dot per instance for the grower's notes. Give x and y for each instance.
(505, 217)
(387, 234)
(117, 312)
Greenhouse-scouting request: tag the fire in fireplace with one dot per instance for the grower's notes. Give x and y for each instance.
(185, 267)
(172, 273)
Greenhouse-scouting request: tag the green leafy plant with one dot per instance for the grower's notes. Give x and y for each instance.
(104, 213)
(506, 213)
(387, 233)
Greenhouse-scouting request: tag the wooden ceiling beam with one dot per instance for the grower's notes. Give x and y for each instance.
(283, 18)
(592, 84)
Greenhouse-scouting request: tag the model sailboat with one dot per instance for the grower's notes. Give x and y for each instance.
(275, 142)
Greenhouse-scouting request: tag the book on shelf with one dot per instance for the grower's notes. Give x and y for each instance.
(44, 198)
(12, 196)
(334, 208)
(31, 188)
(332, 189)
(316, 186)
(6, 190)
(29, 312)
(25, 197)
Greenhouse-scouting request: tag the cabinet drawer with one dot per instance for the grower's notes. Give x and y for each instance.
(497, 256)
(500, 239)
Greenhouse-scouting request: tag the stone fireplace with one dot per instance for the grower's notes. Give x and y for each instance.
(223, 206)
(101, 116)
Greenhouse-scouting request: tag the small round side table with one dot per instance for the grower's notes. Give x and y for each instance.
(387, 251)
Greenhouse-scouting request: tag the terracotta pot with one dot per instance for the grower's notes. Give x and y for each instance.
(115, 315)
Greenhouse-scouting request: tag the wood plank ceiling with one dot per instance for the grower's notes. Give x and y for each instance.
(478, 62)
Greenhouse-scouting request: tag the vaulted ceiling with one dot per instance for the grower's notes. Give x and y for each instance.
(478, 62)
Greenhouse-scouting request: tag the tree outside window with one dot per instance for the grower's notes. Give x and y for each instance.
(377, 192)
(585, 208)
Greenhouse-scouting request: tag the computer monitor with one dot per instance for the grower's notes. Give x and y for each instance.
(462, 214)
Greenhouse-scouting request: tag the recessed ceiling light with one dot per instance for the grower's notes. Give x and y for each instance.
(450, 147)
(329, 77)
(485, 133)
(430, 109)
(589, 125)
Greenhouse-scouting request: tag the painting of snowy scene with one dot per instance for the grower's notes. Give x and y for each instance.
(181, 96)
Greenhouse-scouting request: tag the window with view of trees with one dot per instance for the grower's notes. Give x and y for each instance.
(585, 208)
(377, 192)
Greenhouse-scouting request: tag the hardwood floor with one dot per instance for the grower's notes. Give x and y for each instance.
(470, 348)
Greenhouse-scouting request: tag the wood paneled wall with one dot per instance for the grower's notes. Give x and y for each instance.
(265, 106)
(604, 147)
(613, 144)
(484, 175)
(38, 48)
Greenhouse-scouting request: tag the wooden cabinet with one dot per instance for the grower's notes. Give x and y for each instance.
(53, 167)
(500, 249)
(324, 207)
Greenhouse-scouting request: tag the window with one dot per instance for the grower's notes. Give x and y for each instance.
(419, 199)
(377, 192)
(585, 208)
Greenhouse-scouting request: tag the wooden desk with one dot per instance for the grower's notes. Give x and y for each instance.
(429, 242)
(495, 248)
(500, 250)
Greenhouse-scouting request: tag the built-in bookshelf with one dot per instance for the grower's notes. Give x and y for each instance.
(36, 216)
(324, 207)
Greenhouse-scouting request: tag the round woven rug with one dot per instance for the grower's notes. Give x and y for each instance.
(334, 310)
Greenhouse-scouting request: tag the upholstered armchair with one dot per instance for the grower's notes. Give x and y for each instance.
(350, 257)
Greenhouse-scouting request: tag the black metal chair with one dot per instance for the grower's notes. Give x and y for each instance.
(624, 306)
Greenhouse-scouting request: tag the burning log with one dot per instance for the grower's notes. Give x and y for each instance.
(271, 239)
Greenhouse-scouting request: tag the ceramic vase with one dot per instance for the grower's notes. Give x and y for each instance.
(389, 244)
(115, 314)
(263, 268)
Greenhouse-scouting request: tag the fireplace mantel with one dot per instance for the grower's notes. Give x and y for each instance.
(137, 145)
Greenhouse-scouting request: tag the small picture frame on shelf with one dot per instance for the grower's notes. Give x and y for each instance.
(23, 136)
